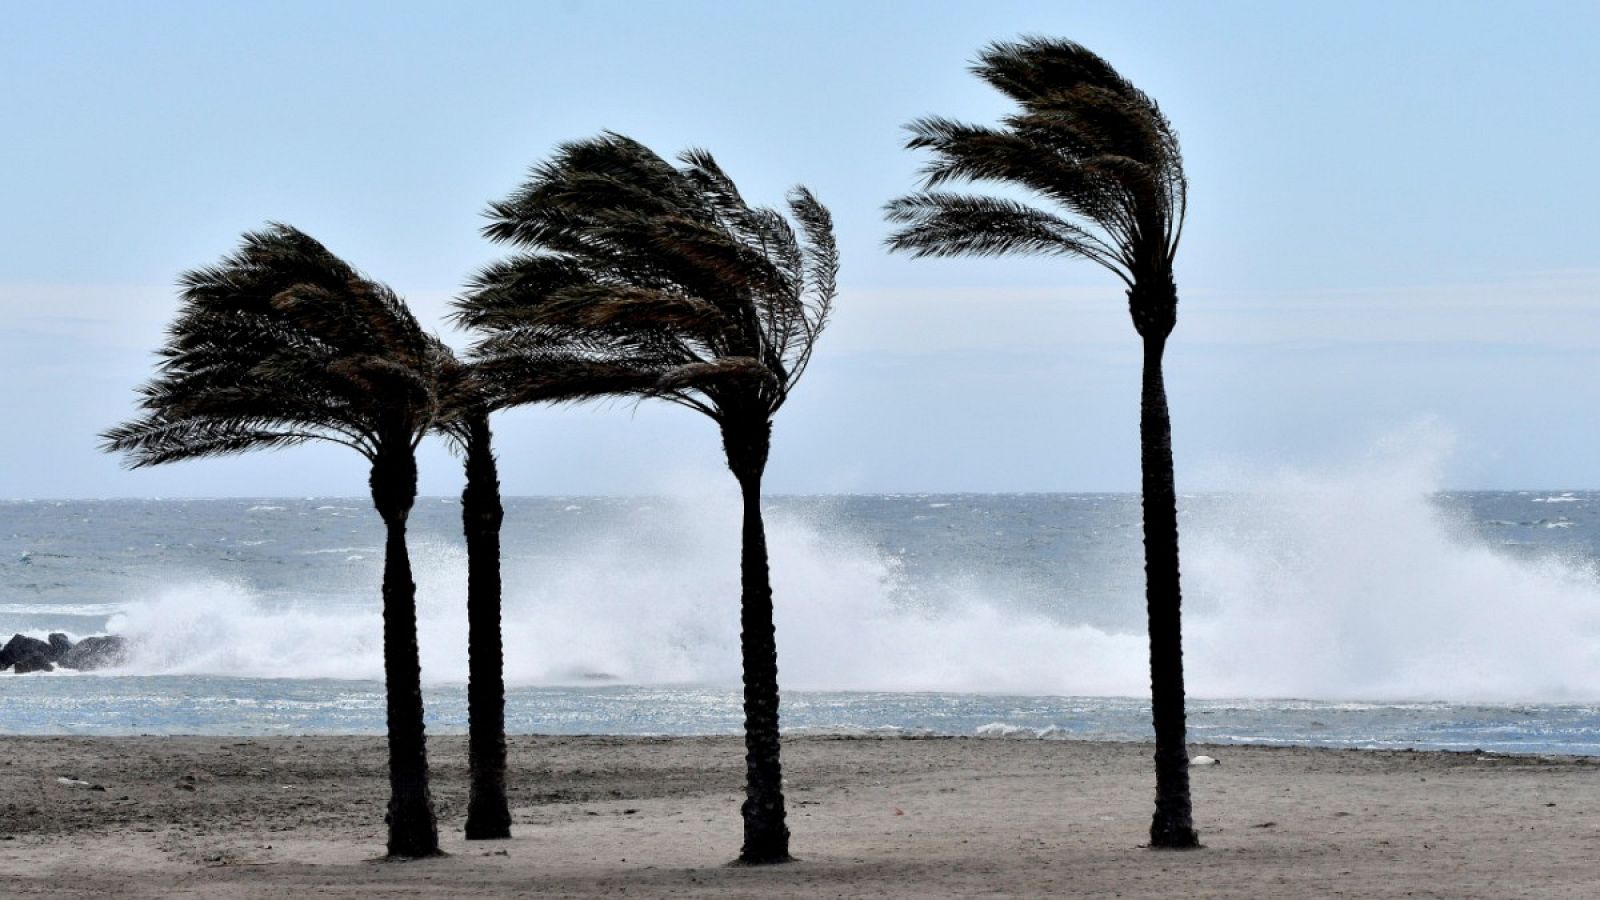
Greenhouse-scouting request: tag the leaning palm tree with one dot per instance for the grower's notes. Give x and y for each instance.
(640, 277)
(281, 344)
(465, 424)
(1101, 152)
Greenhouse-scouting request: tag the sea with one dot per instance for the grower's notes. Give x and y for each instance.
(1351, 611)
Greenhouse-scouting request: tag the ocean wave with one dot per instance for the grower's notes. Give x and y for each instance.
(1025, 732)
(849, 730)
(1002, 730)
(1336, 584)
(84, 610)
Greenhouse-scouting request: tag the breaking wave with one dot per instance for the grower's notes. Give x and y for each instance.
(1345, 583)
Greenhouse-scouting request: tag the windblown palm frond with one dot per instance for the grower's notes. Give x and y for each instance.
(1084, 139)
(641, 277)
(279, 344)
(461, 395)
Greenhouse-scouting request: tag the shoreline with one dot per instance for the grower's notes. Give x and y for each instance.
(50, 704)
(871, 815)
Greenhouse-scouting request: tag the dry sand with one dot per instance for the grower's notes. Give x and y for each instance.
(299, 817)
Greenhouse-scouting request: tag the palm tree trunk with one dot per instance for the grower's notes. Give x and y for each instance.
(412, 829)
(1173, 825)
(488, 816)
(766, 836)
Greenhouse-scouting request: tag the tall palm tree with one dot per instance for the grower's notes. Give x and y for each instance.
(465, 424)
(284, 343)
(1089, 143)
(641, 277)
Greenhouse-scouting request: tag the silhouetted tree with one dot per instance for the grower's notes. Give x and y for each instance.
(284, 343)
(466, 425)
(1088, 142)
(644, 278)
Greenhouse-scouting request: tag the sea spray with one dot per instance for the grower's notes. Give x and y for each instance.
(216, 627)
(1353, 582)
(1364, 582)
(655, 601)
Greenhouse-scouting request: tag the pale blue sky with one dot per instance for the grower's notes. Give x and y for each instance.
(1392, 218)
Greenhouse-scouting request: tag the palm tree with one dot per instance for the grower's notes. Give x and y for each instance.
(1098, 149)
(466, 425)
(642, 278)
(281, 344)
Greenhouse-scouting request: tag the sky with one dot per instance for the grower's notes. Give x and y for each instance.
(1391, 221)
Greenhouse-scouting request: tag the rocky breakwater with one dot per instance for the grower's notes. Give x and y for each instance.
(23, 654)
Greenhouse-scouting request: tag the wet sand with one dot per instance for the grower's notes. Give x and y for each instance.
(297, 817)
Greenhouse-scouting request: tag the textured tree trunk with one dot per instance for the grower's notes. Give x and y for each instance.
(1173, 825)
(412, 829)
(766, 836)
(488, 816)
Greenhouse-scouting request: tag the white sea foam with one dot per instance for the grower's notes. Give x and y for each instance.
(1020, 732)
(1349, 583)
(87, 610)
(1002, 730)
(655, 605)
(219, 627)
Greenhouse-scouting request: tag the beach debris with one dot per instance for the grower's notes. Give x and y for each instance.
(898, 811)
(66, 781)
(1204, 761)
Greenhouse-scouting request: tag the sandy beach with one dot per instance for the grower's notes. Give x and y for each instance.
(602, 816)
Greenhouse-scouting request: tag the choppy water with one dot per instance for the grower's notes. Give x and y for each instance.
(1391, 615)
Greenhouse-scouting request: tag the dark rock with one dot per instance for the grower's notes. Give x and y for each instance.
(97, 653)
(32, 662)
(20, 646)
(59, 645)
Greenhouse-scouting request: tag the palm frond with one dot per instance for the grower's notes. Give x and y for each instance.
(1083, 139)
(945, 224)
(1034, 68)
(280, 343)
(153, 440)
(643, 278)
